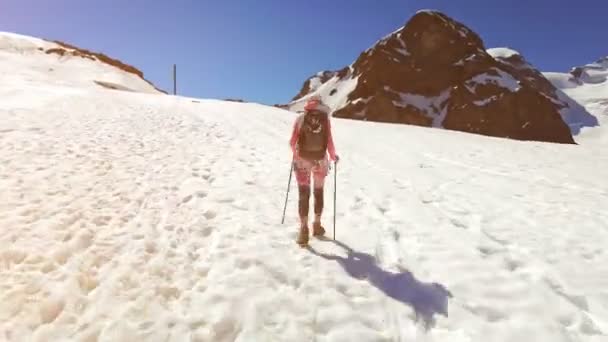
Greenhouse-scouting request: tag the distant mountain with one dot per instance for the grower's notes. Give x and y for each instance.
(587, 84)
(436, 72)
(594, 73)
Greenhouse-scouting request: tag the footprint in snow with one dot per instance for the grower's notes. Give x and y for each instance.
(186, 199)
(210, 214)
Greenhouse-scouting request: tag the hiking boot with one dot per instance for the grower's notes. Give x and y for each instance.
(303, 236)
(317, 229)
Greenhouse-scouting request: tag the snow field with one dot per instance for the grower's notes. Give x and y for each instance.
(139, 217)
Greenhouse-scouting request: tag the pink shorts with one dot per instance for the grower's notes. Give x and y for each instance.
(304, 168)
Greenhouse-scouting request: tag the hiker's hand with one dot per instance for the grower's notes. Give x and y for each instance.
(336, 158)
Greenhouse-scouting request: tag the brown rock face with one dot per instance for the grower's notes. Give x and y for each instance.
(512, 115)
(436, 72)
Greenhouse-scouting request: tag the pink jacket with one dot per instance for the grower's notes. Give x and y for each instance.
(331, 149)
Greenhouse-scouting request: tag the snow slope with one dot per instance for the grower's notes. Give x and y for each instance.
(135, 217)
(28, 55)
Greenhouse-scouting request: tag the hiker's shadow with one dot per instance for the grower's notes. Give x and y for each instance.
(427, 299)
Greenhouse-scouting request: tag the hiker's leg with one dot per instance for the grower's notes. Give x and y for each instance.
(303, 169)
(318, 195)
(303, 203)
(319, 174)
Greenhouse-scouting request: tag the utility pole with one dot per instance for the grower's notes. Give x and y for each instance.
(174, 79)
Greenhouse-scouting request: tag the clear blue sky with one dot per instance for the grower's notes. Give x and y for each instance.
(264, 50)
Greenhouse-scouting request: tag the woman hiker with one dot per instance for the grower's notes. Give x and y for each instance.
(311, 141)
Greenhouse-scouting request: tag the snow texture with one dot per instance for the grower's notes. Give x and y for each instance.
(502, 52)
(403, 51)
(363, 100)
(503, 80)
(434, 107)
(486, 101)
(467, 59)
(138, 217)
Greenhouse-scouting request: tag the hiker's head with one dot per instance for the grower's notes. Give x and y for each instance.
(314, 104)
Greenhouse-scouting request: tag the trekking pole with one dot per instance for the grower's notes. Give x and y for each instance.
(335, 186)
(287, 196)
